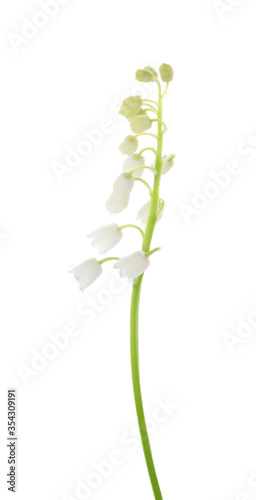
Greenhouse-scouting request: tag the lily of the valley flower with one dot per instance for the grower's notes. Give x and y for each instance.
(123, 184)
(168, 162)
(139, 123)
(105, 237)
(117, 202)
(144, 75)
(152, 70)
(119, 199)
(142, 215)
(166, 72)
(129, 145)
(86, 272)
(131, 106)
(133, 162)
(133, 265)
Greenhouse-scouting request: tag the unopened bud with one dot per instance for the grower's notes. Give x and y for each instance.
(144, 75)
(140, 123)
(131, 106)
(166, 72)
(153, 71)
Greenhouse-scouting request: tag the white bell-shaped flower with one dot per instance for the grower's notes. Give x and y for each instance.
(142, 215)
(123, 184)
(168, 162)
(105, 237)
(117, 202)
(133, 265)
(133, 162)
(86, 272)
(129, 145)
(119, 199)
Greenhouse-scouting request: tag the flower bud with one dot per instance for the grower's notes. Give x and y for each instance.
(140, 123)
(129, 145)
(144, 75)
(131, 106)
(166, 72)
(153, 71)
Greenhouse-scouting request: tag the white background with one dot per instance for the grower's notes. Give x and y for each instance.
(70, 76)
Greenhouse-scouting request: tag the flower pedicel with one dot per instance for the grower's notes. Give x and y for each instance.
(142, 115)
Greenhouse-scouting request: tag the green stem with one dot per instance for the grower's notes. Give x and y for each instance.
(165, 90)
(151, 108)
(145, 133)
(149, 100)
(144, 182)
(162, 122)
(134, 318)
(129, 174)
(134, 226)
(145, 149)
(148, 254)
(102, 261)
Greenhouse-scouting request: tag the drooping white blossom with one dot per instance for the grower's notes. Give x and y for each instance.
(129, 145)
(105, 237)
(133, 162)
(86, 272)
(119, 199)
(123, 184)
(142, 215)
(133, 265)
(168, 162)
(117, 202)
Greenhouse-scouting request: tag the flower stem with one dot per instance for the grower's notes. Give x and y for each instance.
(102, 261)
(134, 315)
(157, 120)
(145, 149)
(149, 100)
(151, 108)
(165, 90)
(134, 346)
(145, 133)
(144, 182)
(141, 167)
(134, 226)
(148, 254)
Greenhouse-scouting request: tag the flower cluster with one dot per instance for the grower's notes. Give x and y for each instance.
(142, 114)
